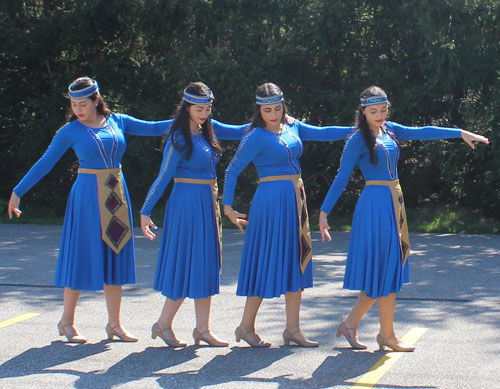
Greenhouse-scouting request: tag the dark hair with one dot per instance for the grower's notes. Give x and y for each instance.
(181, 122)
(265, 90)
(82, 83)
(362, 125)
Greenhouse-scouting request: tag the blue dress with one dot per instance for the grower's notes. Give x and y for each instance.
(85, 261)
(189, 257)
(270, 263)
(374, 262)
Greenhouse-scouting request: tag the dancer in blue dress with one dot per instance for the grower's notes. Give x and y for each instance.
(93, 258)
(277, 250)
(190, 254)
(377, 262)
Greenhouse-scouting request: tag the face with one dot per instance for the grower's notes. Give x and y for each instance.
(198, 114)
(376, 115)
(84, 109)
(272, 114)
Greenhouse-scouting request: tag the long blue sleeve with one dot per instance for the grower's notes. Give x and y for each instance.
(229, 131)
(422, 133)
(61, 142)
(327, 133)
(171, 158)
(249, 148)
(352, 152)
(140, 127)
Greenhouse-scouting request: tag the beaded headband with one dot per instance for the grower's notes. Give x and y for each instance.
(260, 100)
(85, 92)
(196, 99)
(373, 100)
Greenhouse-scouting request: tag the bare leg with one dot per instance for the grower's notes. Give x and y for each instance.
(168, 312)
(70, 300)
(252, 306)
(113, 295)
(202, 330)
(293, 300)
(202, 308)
(386, 306)
(363, 304)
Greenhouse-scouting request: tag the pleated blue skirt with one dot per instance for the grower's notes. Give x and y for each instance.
(374, 262)
(270, 264)
(85, 262)
(188, 262)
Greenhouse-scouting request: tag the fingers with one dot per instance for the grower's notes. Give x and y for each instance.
(325, 234)
(146, 225)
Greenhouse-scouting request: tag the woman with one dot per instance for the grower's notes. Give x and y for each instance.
(91, 258)
(377, 262)
(277, 250)
(190, 253)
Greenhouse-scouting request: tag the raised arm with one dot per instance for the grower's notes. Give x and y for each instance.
(229, 131)
(140, 127)
(328, 133)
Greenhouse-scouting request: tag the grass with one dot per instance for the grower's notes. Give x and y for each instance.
(432, 219)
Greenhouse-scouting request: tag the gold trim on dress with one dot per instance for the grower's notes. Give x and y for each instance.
(215, 193)
(302, 215)
(399, 213)
(116, 226)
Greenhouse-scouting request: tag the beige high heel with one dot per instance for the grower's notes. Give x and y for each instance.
(395, 345)
(122, 335)
(167, 335)
(353, 340)
(71, 334)
(212, 341)
(252, 339)
(299, 338)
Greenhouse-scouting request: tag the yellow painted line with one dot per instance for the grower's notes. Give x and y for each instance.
(17, 319)
(384, 364)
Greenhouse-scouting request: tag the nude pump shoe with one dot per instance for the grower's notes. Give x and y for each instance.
(353, 340)
(396, 345)
(201, 336)
(70, 334)
(252, 339)
(123, 336)
(298, 338)
(167, 335)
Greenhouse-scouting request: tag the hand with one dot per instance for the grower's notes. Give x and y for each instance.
(324, 227)
(14, 205)
(289, 119)
(470, 137)
(236, 218)
(146, 225)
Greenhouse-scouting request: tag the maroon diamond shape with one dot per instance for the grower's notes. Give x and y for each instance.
(116, 231)
(113, 202)
(111, 182)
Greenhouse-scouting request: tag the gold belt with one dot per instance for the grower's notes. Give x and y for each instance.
(116, 226)
(399, 213)
(303, 217)
(215, 192)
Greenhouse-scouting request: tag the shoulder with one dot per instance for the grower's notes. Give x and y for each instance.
(356, 138)
(177, 139)
(392, 125)
(69, 130)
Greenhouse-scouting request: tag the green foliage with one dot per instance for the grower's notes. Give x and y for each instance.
(438, 60)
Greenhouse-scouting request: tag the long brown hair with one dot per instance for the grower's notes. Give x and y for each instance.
(82, 83)
(181, 122)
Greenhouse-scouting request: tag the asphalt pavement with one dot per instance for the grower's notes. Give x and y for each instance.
(453, 302)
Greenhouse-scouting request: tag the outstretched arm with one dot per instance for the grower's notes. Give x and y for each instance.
(327, 133)
(140, 127)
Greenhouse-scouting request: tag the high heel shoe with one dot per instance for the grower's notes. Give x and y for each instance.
(252, 339)
(299, 338)
(212, 341)
(167, 335)
(70, 333)
(352, 339)
(122, 335)
(394, 343)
